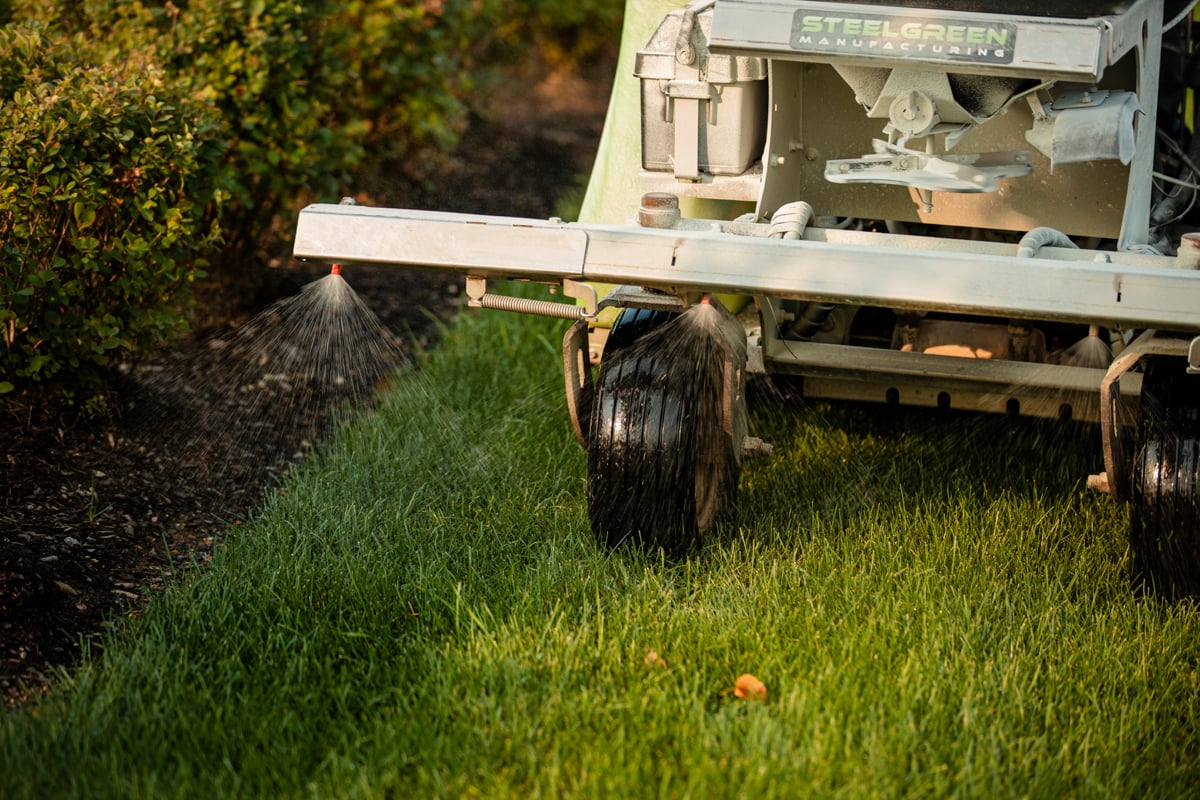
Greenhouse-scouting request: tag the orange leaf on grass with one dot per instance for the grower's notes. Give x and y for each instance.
(653, 659)
(749, 687)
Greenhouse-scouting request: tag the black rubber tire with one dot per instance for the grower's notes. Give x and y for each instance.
(1164, 520)
(631, 324)
(661, 469)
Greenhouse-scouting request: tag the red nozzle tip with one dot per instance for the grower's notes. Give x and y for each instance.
(706, 300)
(336, 269)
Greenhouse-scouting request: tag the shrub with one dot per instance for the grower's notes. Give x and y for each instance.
(109, 185)
(304, 88)
(409, 63)
(264, 68)
(264, 65)
(414, 64)
(109, 174)
(562, 29)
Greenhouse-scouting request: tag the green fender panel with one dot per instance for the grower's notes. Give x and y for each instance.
(613, 191)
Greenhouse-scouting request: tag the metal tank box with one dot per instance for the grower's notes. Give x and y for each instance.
(702, 112)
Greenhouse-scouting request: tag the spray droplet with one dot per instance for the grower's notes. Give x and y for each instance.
(1091, 352)
(295, 371)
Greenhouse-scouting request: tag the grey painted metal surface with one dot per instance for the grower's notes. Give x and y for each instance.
(1124, 289)
(981, 43)
(458, 242)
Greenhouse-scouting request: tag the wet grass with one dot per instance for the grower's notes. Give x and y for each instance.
(936, 606)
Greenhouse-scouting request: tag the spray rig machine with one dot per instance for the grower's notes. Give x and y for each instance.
(977, 204)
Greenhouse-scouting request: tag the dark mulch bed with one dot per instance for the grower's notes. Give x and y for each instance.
(95, 516)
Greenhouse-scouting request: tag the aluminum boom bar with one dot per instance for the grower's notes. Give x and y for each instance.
(1074, 285)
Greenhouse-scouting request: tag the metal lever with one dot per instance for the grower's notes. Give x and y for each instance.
(974, 172)
(685, 43)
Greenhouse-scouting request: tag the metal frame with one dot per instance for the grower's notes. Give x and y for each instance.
(1050, 49)
(1112, 289)
(668, 261)
(673, 265)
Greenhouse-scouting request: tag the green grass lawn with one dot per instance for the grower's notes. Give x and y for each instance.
(936, 606)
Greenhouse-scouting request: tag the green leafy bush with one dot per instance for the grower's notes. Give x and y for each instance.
(562, 29)
(410, 66)
(415, 64)
(109, 185)
(304, 89)
(131, 121)
(263, 67)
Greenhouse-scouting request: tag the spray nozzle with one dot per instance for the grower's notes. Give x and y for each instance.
(336, 269)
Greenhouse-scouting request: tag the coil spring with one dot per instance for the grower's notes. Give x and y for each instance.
(524, 305)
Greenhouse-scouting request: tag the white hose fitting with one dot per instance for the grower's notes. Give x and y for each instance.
(1038, 238)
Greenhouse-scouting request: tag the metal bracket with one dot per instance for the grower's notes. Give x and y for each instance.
(1193, 367)
(625, 296)
(478, 297)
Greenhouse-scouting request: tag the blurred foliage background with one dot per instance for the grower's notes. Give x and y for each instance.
(152, 143)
